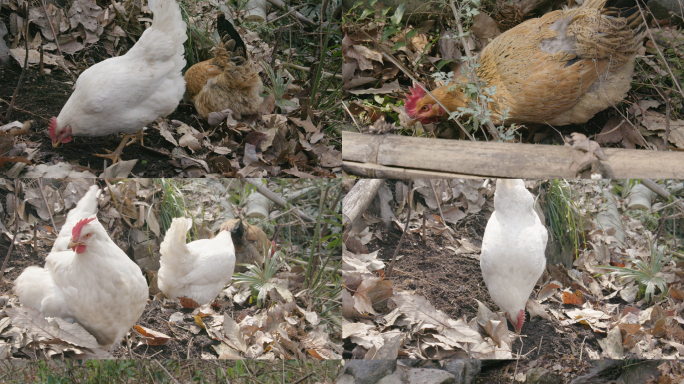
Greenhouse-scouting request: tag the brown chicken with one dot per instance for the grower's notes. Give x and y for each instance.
(228, 81)
(559, 69)
(251, 243)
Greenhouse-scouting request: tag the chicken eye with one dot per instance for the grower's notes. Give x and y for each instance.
(87, 235)
(425, 108)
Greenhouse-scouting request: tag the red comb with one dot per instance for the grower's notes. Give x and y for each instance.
(53, 128)
(521, 319)
(76, 231)
(417, 93)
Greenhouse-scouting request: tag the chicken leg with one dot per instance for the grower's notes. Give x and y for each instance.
(127, 140)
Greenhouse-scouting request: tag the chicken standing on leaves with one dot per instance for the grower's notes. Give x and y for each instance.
(87, 278)
(198, 270)
(125, 93)
(561, 68)
(513, 246)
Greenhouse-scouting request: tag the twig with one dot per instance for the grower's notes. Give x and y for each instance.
(305, 69)
(317, 235)
(674, 79)
(167, 372)
(23, 70)
(41, 68)
(473, 75)
(189, 345)
(667, 122)
(302, 262)
(304, 378)
(40, 188)
(292, 10)
(438, 200)
(128, 346)
(16, 227)
(350, 115)
(298, 15)
(52, 28)
(540, 341)
(280, 201)
(403, 234)
(582, 349)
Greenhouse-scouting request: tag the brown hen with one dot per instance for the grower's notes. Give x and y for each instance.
(228, 81)
(561, 68)
(251, 243)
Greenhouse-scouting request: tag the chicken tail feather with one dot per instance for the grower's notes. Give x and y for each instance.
(167, 18)
(85, 207)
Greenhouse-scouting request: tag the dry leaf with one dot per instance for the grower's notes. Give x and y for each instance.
(152, 337)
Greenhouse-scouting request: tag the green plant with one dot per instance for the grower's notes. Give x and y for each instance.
(645, 273)
(563, 214)
(199, 39)
(278, 86)
(260, 279)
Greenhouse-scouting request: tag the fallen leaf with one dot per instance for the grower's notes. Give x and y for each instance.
(571, 299)
(152, 337)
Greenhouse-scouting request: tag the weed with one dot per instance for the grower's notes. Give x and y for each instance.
(563, 214)
(646, 273)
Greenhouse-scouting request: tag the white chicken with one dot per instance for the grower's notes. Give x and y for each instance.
(198, 270)
(87, 279)
(512, 258)
(125, 93)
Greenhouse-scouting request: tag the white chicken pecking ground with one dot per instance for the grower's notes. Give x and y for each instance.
(87, 279)
(513, 250)
(125, 93)
(198, 270)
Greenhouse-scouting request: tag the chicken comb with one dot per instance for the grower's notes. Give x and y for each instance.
(53, 128)
(417, 93)
(76, 231)
(521, 318)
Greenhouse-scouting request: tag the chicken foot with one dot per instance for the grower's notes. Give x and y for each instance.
(127, 140)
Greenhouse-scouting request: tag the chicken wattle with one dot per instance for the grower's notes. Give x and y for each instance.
(87, 278)
(125, 93)
(513, 246)
(198, 270)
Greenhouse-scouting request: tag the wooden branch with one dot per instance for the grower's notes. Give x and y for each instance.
(394, 156)
(280, 201)
(299, 16)
(358, 199)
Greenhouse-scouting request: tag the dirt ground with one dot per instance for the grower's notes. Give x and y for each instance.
(452, 283)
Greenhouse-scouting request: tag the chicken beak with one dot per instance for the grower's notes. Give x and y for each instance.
(410, 123)
(73, 244)
(57, 143)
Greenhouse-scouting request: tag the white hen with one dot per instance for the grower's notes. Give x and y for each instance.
(89, 280)
(512, 258)
(198, 270)
(125, 93)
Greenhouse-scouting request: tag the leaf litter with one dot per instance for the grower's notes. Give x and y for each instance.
(232, 327)
(595, 313)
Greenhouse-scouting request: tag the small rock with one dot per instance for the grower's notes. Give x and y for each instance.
(541, 375)
(369, 371)
(465, 371)
(137, 236)
(149, 263)
(145, 249)
(427, 376)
